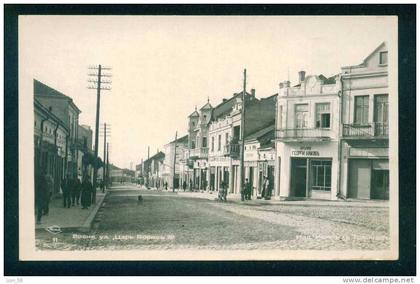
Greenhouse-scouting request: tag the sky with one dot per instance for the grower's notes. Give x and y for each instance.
(164, 66)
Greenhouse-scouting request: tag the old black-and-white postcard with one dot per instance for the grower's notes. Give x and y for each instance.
(208, 138)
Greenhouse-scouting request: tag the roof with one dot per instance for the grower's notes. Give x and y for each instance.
(367, 57)
(183, 139)
(263, 134)
(325, 80)
(206, 106)
(159, 155)
(40, 106)
(194, 114)
(225, 107)
(40, 89)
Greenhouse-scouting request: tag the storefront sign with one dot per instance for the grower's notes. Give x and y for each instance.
(305, 151)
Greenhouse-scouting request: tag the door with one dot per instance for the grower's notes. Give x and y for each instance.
(298, 177)
(251, 179)
(380, 184)
(359, 179)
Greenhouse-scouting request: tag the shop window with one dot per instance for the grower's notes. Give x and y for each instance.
(323, 115)
(301, 116)
(321, 175)
(383, 58)
(361, 110)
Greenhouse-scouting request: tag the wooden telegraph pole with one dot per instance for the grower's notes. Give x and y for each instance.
(97, 82)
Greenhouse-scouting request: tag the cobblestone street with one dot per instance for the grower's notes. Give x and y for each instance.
(166, 220)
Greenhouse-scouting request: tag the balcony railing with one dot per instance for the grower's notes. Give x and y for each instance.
(202, 152)
(232, 150)
(304, 133)
(366, 130)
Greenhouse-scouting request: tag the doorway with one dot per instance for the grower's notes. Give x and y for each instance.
(380, 184)
(298, 177)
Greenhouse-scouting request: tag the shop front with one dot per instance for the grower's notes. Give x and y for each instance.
(368, 173)
(308, 171)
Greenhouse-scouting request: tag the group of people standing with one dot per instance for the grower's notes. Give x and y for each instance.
(76, 192)
(43, 191)
(265, 193)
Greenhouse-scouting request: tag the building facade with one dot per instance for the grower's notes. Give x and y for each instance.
(225, 136)
(174, 150)
(365, 142)
(307, 138)
(50, 144)
(198, 147)
(64, 108)
(259, 159)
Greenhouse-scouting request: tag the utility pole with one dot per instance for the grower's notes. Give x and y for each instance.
(173, 178)
(148, 166)
(243, 136)
(107, 165)
(97, 85)
(105, 132)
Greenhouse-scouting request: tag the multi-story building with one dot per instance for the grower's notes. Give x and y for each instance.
(307, 138)
(64, 108)
(364, 150)
(174, 149)
(153, 170)
(50, 141)
(259, 157)
(225, 136)
(198, 128)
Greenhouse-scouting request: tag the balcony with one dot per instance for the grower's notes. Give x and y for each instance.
(232, 150)
(200, 153)
(366, 131)
(304, 134)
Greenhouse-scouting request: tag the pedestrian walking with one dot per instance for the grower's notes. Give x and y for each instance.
(166, 185)
(248, 190)
(41, 194)
(102, 186)
(49, 191)
(77, 190)
(267, 189)
(184, 185)
(190, 185)
(243, 190)
(65, 188)
(87, 189)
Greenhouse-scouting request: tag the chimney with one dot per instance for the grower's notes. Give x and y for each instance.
(224, 100)
(286, 84)
(253, 93)
(281, 85)
(301, 76)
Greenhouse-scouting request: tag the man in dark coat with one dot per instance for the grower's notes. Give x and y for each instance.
(184, 185)
(248, 190)
(65, 187)
(41, 195)
(87, 189)
(75, 198)
(49, 191)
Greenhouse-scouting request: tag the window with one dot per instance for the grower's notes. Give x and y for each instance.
(212, 143)
(301, 115)
(192, 144)
(361, 110)
(323, 115)
(204, 142)
(226, 138)
(219, 143)
(383, 57)
(321, 175)
(193, 123)
(381, 109)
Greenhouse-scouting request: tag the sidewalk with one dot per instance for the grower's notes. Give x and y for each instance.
(71, 218)
(236, 198)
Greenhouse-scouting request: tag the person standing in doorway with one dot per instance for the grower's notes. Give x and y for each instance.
(184, 185)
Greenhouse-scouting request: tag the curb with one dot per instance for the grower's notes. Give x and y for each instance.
(87, 225)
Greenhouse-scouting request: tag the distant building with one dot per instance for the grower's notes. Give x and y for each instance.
(153, 169)
(63, 107)
(365, 118)
(174, 149)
